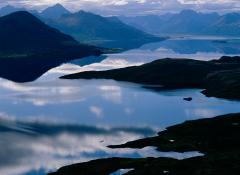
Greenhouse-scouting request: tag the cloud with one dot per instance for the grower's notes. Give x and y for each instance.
(45, 92)
(96, 111)
(205, 113)
(132, 7)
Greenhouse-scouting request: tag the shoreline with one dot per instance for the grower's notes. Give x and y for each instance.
(217, 138)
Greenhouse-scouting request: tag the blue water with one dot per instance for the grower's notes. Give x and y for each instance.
(50, 122)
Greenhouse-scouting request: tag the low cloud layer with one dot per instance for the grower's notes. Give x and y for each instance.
(132, 7)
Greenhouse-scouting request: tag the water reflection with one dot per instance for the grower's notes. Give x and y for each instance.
(200, 48)
(34, 146)
(30, 68)
(44, 146)
(50, 122)
(106, 102)
(197, 45)
(187, 47)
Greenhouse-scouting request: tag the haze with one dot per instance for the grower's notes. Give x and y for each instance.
(131, 7)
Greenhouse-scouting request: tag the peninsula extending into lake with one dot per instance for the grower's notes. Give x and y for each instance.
(220, 78)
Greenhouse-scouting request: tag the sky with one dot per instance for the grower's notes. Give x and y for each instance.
(132, 7)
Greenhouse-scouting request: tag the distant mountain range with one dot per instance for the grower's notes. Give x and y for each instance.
(51, 12)
(228, 24)
(131, 32)
(91, 28)
(187, 22)
(103, 31)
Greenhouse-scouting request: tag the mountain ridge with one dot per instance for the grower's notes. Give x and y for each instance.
(187, 22)
(103, 31)
(9, 9)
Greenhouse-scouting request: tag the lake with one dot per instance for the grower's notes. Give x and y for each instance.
(49, 123)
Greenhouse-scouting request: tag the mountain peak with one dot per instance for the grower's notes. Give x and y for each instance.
(29, 45)
(55, 11)
(20, 15)
(102, 31)
(187, 12)
(59, 6)
(25, 32)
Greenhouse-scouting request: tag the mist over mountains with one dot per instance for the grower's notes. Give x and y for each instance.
(187, 22)
(83, 25)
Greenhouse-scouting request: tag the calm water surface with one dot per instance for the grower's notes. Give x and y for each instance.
(50, 123)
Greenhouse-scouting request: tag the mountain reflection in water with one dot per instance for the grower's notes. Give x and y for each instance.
(27, 70)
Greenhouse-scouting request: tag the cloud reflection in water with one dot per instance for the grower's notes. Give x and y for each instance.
(37, 145)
